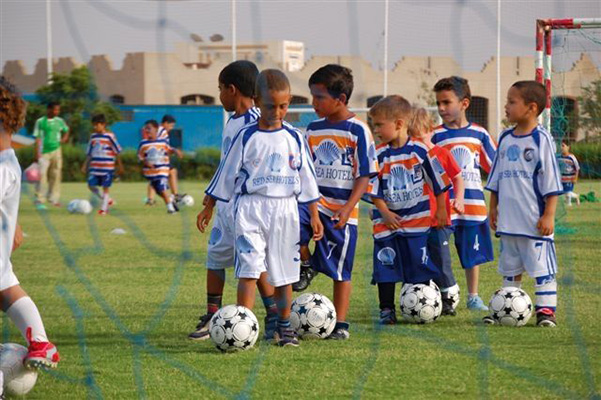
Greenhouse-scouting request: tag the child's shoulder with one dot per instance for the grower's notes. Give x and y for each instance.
(353, 126)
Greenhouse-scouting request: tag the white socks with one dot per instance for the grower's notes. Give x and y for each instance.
(25, 314)
(105, 202)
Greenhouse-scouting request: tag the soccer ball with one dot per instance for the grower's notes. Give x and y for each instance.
(79, 206)
(421, 303)
(511, 306)
(187, 201)
(18, 380)
(313, 316)
(234, 328)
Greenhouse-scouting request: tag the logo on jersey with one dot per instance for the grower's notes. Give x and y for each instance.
(399, 178)
(215, 237)
(372, 152)
(275, 162)
(227, 142)
(155, 155)
(437, 166)
(327, 152)
(513, 152)
(294, 161)
(243, 245)
(97, 150)
(418, 173)
(386, 256)
(529, 154)
(462, 155)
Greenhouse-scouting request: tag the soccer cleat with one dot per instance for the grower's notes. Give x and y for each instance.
(286, 337)
(178, 197)
(447, 307)
(40, 354)
(476, 304)
(340, 332)
(489, 320)
(271, 325)
(546, 317)
(150, 202)
(388, 317)
(306, 276)
(202, 328)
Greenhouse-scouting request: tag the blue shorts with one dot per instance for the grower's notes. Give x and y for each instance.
(473, 244)
(159, 184)
(306, 232)
(334, 254)
(404, 259)
(568, 186)
(105, 180)
(440, 252)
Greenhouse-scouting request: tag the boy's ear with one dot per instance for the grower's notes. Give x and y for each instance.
(342, 98)
(466, 103)
(399, 123)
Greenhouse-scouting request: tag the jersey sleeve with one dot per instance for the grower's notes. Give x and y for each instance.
(140, 152)
(37, 129)
(64, 127)
(548, 176)
(220, 187)
(115, 144)
(487, 152)
(576, 164)
(450, 165)
(434, 173)
(89, 148)
(365, 154)
(309, 189)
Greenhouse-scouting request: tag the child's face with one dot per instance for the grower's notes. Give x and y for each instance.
(151, 131)
(168, 125)
(323, 102)
(227, 96)
(99, 127)
(386, 129)
(516, 109)
(450, 108)
(274, 106)
(565, 149)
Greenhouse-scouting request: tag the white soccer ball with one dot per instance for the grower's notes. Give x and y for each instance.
(79, 206)
(313, 316)
(511, 306)
(187, 201)
(18, 380)
(73, 206)
(421, 303)
(234, 328)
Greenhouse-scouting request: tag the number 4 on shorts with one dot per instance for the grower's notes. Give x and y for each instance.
(476, 244)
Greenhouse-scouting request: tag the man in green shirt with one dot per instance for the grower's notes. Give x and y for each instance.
(50, 132)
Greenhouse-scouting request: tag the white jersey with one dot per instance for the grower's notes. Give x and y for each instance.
(524, 173)
(233, 126)
(10, 192)
(270, 163)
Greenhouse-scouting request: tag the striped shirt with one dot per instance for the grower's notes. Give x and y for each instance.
(473, 148)
(163, 134)
(103, 149)
(155, 155)
(405, 173)
(569, 167)
(342, 152)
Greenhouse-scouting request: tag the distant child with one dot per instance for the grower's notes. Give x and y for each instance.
(401, 220)
(17, 305)
(154, 154)
(525, 183)
(273, 174)
(569, 167)
(344, 155)
(236, 91)
(473, 148)
(102, 154)
(440, 234)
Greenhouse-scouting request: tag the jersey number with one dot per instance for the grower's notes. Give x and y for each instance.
(540, 249)
(476, 244)
(424, 256)
(331, 246)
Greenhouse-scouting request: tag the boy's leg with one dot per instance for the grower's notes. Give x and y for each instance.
(440, 254)
(42, 186)
(387, 271)
(55, 176)
(284, 335)
(105, 200)
(271, 307)
(173, 183)
(246, 292)
(149, 195)
(307, 273)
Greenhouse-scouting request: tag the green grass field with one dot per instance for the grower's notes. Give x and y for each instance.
(119, 308)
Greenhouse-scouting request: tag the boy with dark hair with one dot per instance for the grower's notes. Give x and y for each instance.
(525, 184)
(473, 149)
(569, 167)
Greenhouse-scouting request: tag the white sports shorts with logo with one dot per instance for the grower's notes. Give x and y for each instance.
(7, 276)
(267, 238)
(522, 254)
(220, 253)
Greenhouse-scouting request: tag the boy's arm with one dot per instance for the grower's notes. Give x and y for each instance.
(441, 210)
(65, 137)
(343, 214)
(204, 217)
(546, 223)
(316, 224)
(492, 212)
(120, 169)
(459, 191)
(391, 220)
(84, 166)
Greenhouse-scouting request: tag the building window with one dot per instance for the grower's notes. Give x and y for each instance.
(373, 100)
(564, 117)
(117, 99)
(197, 99)
(477, 112)
(299, 100)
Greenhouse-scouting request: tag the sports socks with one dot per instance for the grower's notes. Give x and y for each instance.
(213, 303)
(546, 292)
(386, 295)
(270, 305)
(25, 314)
(511, 281)
(105, 202)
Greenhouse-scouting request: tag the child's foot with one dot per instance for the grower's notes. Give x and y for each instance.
(39, 205)
(172, 208)
(178, 197)
(202, 328)
(102, 212)
(271, 325)
(489, 320)
(306, 276)
(40, 354)
(150, 202)
(286, 336)
(476, 304)
(388, 317)
(546, 317)
(340, 331)
(447, 307)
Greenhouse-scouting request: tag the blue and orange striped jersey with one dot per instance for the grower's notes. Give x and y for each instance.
(405, 173)
(103, 149)
(569, 167)
(473, 148)
(155, 156)
(342, 152)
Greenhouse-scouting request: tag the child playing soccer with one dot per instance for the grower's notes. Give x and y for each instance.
(273, 174)
(401, 220)
(154, 154)
(525, 183)
(103, 153)
(345, 159)
(473, 148)
(569, 167)
(236, 91)
(13, 299)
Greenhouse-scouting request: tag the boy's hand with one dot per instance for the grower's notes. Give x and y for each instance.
(441, 217)
(458, 205)
(546, 225)
(342, 216)
(391, 220)
(84, 168)
(179, 153)
(492, 218)
(203, 218)
(317, 227)
(18, 240)
(121, 170)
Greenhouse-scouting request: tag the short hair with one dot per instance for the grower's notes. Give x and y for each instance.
(271, 79)
(457, 85)
(52, 104)
(152, 122)
(242, 75)
(419, 122)
(566, 141)
(169, 119)
(98, 119)
(12, 107)
(532, 92)
(391, 107)
(336, 78)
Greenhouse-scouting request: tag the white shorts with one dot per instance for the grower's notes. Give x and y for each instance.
(267, 239)
(220, 253)
(521, 254)
(7, 276)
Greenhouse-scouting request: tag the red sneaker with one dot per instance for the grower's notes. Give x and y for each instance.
(41, 354)
(102, 212)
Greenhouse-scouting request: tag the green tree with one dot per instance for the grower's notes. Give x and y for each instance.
(590, 109)
(77, 94)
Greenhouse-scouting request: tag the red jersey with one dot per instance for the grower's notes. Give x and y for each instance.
(452, 169)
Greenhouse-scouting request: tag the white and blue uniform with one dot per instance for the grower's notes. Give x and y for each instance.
(10, 191)
(273, 173)
(525, 172)
(221, 252)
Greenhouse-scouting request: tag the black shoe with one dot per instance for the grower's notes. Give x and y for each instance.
(306, 276)
(202, 329)
(447, 307)
(489, 320)
(340, 332)
(545, 317)
(388, 316)
(286, 337)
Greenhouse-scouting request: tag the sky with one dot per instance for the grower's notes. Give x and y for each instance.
(463, 29)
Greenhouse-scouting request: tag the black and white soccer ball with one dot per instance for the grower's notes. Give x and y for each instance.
(79, 206)
(421, 303)
(511, 306)
(187, 201)
(18, 380)
(234, 328)
(313, 316)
